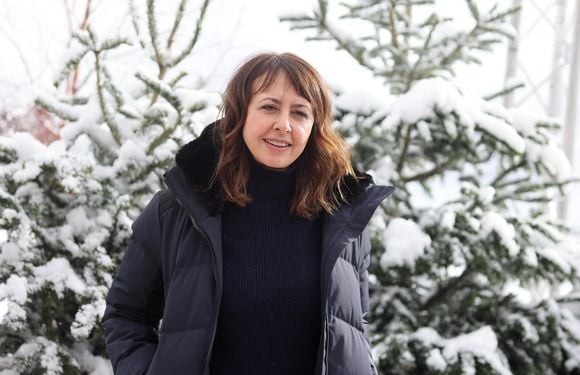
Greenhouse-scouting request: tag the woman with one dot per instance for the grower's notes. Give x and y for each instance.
(255, 258)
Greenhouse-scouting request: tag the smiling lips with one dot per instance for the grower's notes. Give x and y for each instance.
(276, 143)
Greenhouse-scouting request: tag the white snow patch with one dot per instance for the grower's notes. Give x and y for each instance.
(10, 253)
(24, 144)
(404, 243)
(78, 220)
(553, 255)
(448, 220)
(60, 274)
(363, 101)
(29, 172)
(494, 222)
(15, 288)
(481, 343)
(436, 361)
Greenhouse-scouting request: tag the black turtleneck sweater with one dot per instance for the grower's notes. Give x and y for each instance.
(269, 319)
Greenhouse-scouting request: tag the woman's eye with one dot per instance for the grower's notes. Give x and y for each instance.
(269, 107)
(301, 114)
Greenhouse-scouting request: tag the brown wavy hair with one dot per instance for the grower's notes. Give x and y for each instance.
(326, 158)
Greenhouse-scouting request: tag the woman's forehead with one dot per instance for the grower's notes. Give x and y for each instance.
(267, 80)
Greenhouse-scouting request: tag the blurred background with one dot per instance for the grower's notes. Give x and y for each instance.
(35, 36)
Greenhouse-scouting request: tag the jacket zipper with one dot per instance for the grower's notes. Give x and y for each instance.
(217, 295)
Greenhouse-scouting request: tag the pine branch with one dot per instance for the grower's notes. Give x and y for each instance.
(135, 21)
(534, 188)
(152, 167)
(323, 7)
(176, 23)
(107, 116)
(162, 89)
(153, 33)
(505, 91)
(356, 51)
(165, 91)
(412, 72)
(195, 37)
(113, 43)
(406, 142)
(70, 65)
(116, 94)
(60, 109)
(447, 289)
(177, 78)
(545, 185)
(392, 26)
(427, 174)
(506, 172)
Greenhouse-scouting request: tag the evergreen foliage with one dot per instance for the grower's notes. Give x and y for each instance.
(66, 208)
(466, 249)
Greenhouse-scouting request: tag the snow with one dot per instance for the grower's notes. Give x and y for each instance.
(365, 101)
(63, 110)
(448, 220)
(427, 335)
(384, 171)
(530, 257)
(93, 365)
(436, 361)
(501, 130)
(551, 156)
(404, 243)
(12, 315)
(86, 318)
(430, 97)
(59, 273)
(553, 255)
(530, 332)
(24, 144)
(524, 121)
(3, 309)
(494, 222)
(424, 132)
(422, 99)
(9, 253)
(450, 128)
(486, 194)
(15, 288)
(481, 343)
(50, 360)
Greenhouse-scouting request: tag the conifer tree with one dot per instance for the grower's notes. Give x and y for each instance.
(466, 242)
(66, 208)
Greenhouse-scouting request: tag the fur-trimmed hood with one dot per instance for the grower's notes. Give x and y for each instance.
(198, 159)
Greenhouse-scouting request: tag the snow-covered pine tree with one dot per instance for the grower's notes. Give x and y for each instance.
(467, 243)
(66, 208)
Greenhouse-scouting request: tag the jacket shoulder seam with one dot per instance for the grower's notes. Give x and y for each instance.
(166, 201)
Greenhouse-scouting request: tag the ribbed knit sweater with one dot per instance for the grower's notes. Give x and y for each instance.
(270, 316)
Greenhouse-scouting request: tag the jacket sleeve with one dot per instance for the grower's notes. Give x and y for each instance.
(365, 260)
(135, 300)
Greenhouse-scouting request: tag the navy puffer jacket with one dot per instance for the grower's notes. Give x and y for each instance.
(163, 305)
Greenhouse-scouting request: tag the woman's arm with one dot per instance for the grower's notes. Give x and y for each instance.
(135, 300)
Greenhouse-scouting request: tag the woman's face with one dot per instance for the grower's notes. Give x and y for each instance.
(278, 124)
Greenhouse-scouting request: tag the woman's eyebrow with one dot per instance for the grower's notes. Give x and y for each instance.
(305, 105)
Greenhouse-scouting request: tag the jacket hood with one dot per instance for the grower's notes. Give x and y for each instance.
(198, 160)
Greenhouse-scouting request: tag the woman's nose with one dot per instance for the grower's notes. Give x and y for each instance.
(283, 123)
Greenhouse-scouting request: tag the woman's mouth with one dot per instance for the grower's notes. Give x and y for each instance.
(275, 143)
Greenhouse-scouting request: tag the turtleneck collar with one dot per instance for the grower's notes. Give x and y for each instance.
(272, 183)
